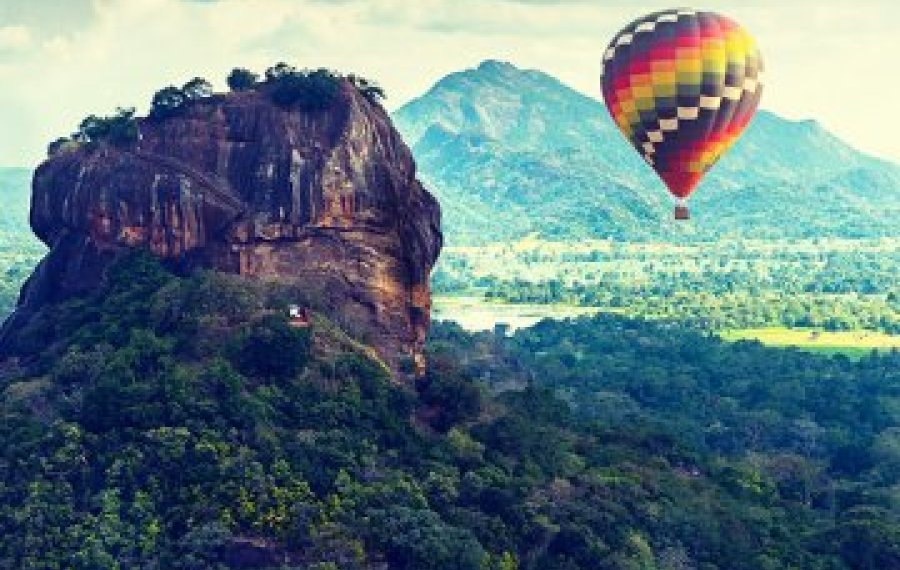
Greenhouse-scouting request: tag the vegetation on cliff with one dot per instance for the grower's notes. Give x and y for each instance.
(153, 431)
(285, 85)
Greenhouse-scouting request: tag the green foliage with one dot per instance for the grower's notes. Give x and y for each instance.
(451, 397)
(144, 437)
(241, 79)
(278, 71)
(63, 144)
(167, 102)
(118, 129)
(306, 90)
(565, 175)
(835, 285)
(273, 348)
(370, 90)
(312, 90)
(196, 89)
(20, 250)
(416, 539)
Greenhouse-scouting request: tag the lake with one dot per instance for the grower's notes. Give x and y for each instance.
(479, 314)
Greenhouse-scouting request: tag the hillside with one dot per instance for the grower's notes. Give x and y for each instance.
(179, 422)
(511, 152)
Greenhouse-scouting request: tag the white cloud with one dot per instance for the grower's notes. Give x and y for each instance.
(14, 38)
(826, 62)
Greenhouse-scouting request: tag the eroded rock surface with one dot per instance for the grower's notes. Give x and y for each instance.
(327, 199)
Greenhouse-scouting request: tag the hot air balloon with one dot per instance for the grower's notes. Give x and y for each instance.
(682, 85)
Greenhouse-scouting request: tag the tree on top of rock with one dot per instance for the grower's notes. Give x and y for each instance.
(279, 70)
(120, 128)
(306, 90)
(241, 79)
(197, 88)
(369, 89)
(166, 102)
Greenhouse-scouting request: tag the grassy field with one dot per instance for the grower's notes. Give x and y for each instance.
(850, 343)
(478, 314)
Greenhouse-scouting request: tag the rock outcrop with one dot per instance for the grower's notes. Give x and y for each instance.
(327, 199)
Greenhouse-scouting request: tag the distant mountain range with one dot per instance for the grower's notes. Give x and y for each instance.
(511, 152)
(15, 194)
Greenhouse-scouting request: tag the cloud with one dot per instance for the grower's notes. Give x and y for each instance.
(14, 38)
(94, 55)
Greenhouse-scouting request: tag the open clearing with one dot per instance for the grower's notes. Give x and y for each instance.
(851, 343)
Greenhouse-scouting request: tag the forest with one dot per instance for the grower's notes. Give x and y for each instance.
(152, 431)
(833, 284)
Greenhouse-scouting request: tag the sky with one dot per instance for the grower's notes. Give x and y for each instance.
(837, 62)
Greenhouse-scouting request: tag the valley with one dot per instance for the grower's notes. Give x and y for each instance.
(617, 419)
(741, 288)
(20, 251)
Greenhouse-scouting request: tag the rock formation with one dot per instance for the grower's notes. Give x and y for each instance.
(327, 199)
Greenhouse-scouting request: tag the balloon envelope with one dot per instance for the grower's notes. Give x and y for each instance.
(682, 85)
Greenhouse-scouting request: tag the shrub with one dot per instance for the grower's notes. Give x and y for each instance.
(369, 89)
(278, 71)
(197, 88)
(241, 79)
(63, 144)
(167, 102)
(120, 128)
(308, 91)
(272, 348)
(454, 397)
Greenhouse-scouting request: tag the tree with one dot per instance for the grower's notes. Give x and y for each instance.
(416, 539)
(369, 89)
(120, 128)
(123, 127)
(273, 348)
(451, 396)
(279, 70)
(373, 93)
(309, 91)
(92, 128)
(241, 79)
(167, 102)
(59, 145)
(197, 88)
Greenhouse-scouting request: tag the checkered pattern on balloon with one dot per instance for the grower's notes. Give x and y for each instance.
(681, 85)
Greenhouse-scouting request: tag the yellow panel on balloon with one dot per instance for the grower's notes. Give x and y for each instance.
(692, 63)
(664, 78)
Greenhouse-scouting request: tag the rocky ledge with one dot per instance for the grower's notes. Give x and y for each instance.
(327, 199)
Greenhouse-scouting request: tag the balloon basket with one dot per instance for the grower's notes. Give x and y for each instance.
(682, 213)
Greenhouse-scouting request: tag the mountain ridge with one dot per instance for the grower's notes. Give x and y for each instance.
(518, 148)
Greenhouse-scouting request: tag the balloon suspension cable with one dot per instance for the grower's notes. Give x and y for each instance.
(681, 210)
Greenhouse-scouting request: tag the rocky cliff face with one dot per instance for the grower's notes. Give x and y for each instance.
(326, 199)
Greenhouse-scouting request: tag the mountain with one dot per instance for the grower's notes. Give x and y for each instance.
(180, 422)
(19, 249)
(15, 194)
(321, 194)
(511, 151)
